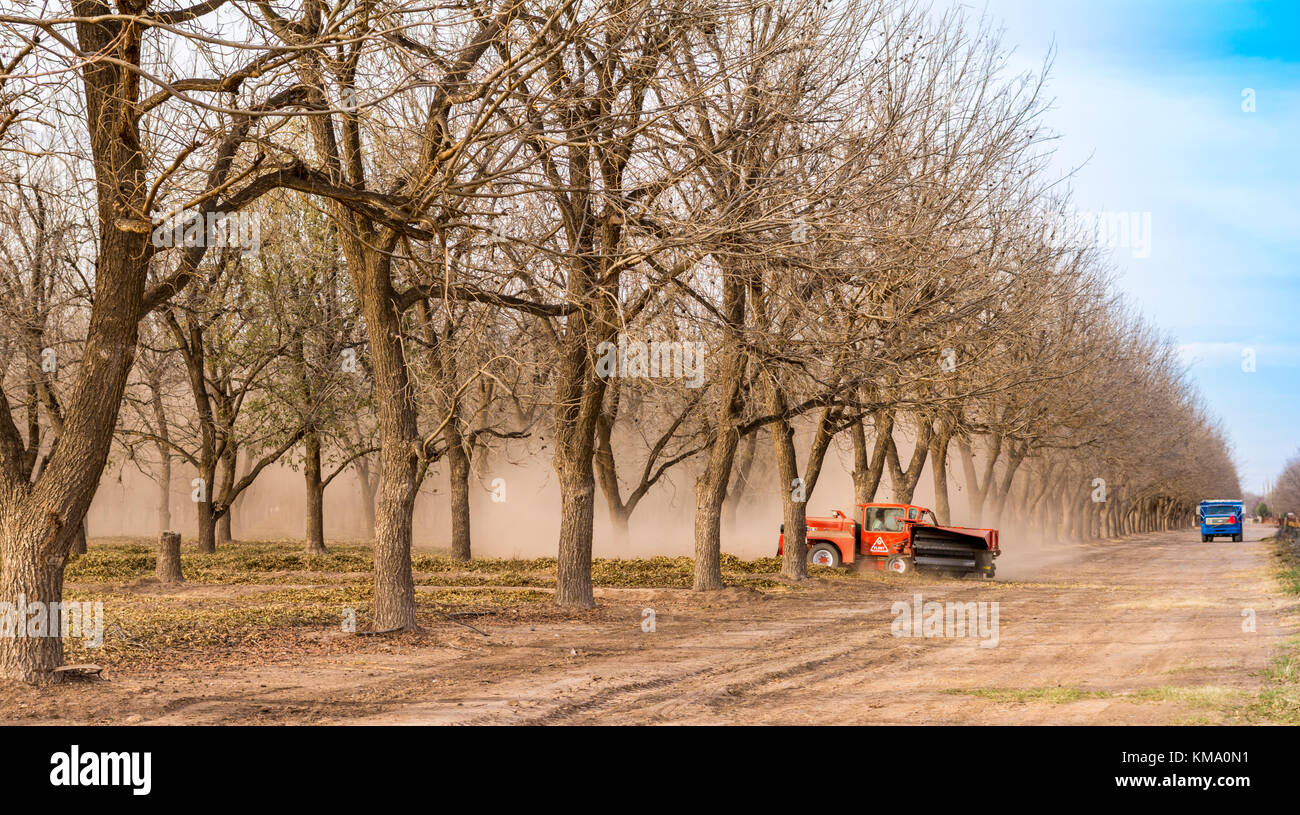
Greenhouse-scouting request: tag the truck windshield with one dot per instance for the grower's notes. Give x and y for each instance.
(1221, 509)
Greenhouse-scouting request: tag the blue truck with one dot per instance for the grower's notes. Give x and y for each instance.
(1221, 518)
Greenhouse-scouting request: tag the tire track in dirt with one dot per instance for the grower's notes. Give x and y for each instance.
(1106, 622)
(1110, 621)
(699, 676)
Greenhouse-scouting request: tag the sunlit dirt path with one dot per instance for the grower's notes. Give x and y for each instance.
(1146, 630)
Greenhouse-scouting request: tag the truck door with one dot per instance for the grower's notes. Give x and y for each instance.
(883, 531)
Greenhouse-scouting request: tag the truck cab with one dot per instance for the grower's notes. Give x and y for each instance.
(886, 527)
(1221, 518)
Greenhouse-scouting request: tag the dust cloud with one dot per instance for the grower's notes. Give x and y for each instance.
(526, 523)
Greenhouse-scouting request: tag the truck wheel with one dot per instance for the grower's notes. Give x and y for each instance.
(823, 554)
(1236, 538)
(1205, 538)
(899, 564)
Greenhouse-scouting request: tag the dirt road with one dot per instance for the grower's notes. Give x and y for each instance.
(1146, 630)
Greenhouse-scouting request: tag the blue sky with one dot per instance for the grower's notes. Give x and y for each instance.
(1149, 105)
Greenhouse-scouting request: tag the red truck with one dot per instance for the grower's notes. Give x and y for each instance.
(899, 538)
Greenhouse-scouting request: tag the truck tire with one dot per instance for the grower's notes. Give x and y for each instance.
(1236, 538)
(823, 554)
(899, 564)
(1206, 538)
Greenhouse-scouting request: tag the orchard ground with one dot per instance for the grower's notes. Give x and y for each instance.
(1148, 629)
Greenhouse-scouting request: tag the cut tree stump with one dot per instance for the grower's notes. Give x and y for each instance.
(79, 671)
(168, 569)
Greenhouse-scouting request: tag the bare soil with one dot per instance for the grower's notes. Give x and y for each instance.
(1145, 630)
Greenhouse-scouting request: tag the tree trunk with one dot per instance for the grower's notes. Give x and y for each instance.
(459, 465)
(868, 470)
(573, 587)
(79, 541)
(165, 495)
(164, 456)
(229, 461)
(739, 483)
(315, 494)
(31, 571)
(207, 540)
(939, 470)
(368, 491)
(710, 494)
(394, 583)
(579, 396)
(190, 341)
(711, 484)
(794, 559)
(1003, 488)
(977, 490)
(400, 449)
(620, 524)
(607, 474)
(1054, 510)
(903, 482)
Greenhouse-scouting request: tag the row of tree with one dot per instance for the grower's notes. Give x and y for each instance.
(644, 236)
(1284, 495)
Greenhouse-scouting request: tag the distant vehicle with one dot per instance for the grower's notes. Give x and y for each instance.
(1221, 518)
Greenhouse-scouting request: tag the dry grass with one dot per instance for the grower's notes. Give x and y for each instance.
(262, 600)
(1054, 696)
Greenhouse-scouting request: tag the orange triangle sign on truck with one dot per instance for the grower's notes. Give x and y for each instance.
(879, 547)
